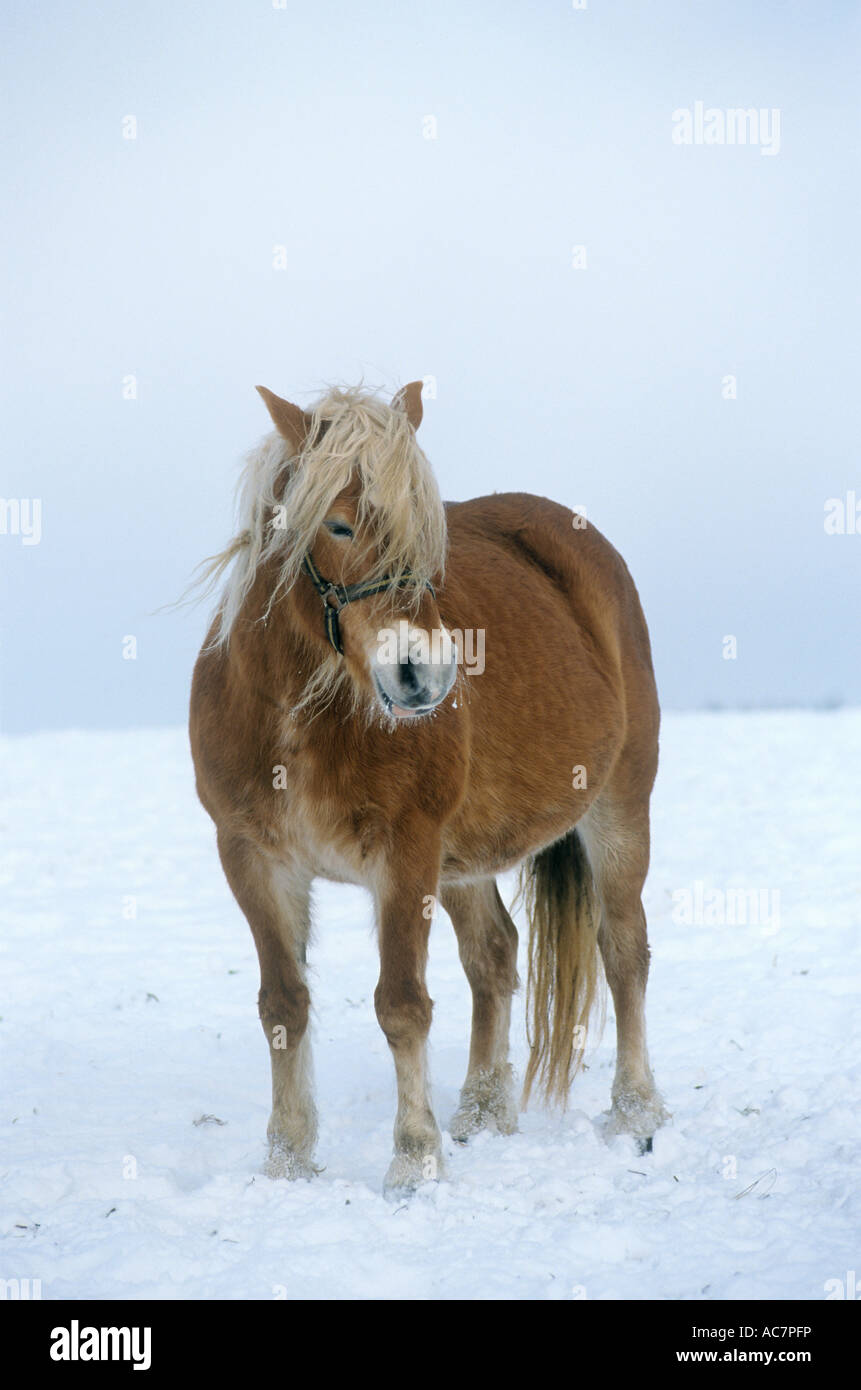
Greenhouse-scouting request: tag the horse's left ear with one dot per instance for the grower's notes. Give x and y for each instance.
(289, 420)
(409, 399)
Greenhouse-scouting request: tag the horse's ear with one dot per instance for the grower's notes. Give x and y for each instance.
(289, 420)
(409, 399)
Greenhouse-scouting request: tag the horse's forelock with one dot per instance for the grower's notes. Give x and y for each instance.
(354, 436)
(284, 498)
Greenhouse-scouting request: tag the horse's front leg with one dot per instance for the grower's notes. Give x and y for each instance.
(275, 898)
(405, 901)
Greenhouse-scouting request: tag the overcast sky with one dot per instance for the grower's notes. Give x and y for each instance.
(428, 170)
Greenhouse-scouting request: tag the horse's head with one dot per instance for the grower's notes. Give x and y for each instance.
(364, 541)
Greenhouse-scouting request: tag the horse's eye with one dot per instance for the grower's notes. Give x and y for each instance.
(339, 529)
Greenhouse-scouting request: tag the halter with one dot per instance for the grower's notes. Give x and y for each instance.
(336, 596)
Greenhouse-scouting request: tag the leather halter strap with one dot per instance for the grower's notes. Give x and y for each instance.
(336, 596)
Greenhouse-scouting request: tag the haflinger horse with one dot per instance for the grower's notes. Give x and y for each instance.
(337, 734)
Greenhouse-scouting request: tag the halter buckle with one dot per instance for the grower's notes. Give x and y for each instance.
(333, 599)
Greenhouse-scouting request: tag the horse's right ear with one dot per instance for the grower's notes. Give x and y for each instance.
(289, 420)
(409, 400)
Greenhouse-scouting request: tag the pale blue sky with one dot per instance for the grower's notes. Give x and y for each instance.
(450, 257)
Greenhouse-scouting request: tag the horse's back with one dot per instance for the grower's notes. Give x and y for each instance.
(567, 679)
(529, 542)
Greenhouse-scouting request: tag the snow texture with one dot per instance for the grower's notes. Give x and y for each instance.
(135, 1082)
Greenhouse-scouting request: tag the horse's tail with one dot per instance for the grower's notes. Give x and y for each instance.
(564, 980)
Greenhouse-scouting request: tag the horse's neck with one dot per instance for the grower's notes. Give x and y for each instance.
(275, 645)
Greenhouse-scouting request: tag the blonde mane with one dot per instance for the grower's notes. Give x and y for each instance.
(283, 499)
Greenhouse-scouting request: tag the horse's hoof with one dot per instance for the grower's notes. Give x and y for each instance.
(284, 1162)
(469, 1121)
(408, 1172)
(465, 1123)
(637, 1115)
(486, 1102)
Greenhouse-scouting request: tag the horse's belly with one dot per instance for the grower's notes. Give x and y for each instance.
(474, 851)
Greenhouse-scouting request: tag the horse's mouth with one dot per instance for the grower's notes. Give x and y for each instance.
(400, 711)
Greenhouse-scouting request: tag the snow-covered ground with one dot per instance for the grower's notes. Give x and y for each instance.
(129, 986)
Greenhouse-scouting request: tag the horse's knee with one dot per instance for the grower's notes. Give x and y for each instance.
(284, 1011)
(403, 1013)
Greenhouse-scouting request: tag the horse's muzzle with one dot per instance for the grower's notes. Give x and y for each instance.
(409, 689)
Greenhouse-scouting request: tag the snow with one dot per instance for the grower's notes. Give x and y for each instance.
(120, 1033)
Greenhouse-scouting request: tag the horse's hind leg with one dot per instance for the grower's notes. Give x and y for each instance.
(487, 942)
(276, 903)
(617, 843)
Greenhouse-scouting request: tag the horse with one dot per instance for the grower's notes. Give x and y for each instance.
(337, 733)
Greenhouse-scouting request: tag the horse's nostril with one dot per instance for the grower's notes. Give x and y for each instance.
(408, 676)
